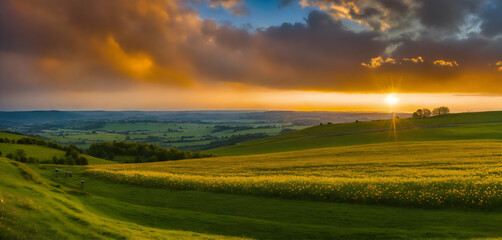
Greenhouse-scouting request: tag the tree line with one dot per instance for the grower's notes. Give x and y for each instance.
(34, 141)
(72, 157)
(142, 152)
(72, 153)
(423, 113)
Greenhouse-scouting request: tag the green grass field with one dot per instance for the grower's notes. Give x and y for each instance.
(44, 153)
(338, 181)
(487, 125)
(36, 204)
(454, 174)
(33, 207)
(10, 135)
(165, 134)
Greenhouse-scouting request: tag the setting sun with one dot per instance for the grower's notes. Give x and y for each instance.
(391, 100)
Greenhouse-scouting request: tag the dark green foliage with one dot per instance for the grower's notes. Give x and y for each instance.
(73, 156)
(234, 140)
(34, 141)
(0, 153)
(32, 160)
(56, 160)
(92, 125)
(20, 156)
(69, 160)
(234, 129)
(4, 140)
(81, 161)
(440, 111)
(142, 152)
(421, 113)
(286, 130)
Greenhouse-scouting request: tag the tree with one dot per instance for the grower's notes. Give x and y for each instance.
(20, 153)
(69, 160)
(419, 113)
(440, 111)
(32, 160)
(81, 161)
(427, 112)
(71, 151)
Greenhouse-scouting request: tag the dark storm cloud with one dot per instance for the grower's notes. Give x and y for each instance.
(447, 15)
(313, 55)
(492, 19)
(442, 17)
(113, 44)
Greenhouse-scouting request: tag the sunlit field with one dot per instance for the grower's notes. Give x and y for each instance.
(452, 174)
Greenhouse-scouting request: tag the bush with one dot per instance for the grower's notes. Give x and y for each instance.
(32, 160)
(142, 152)
(81, 161)
(69, 160)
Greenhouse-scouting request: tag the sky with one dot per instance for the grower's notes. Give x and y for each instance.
(329, 55)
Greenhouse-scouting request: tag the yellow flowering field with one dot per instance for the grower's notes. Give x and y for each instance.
(457, 174)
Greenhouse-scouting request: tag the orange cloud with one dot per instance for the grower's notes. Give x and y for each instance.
(117, 44)
(415, 60)
(446, 63)
(378, 61)
(140, 65)
(499, 63)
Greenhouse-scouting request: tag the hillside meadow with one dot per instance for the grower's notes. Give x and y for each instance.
(34, 207)
(40, 152)
(449, 174)
(443, 181)
(37, 204)
(461, 126)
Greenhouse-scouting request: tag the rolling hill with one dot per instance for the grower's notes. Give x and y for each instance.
(42, 153)
(37, 204)
(461, 126)
(435, 178)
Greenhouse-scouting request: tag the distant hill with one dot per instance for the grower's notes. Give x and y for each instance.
(460, 126)
(17, 118)
(26, 117)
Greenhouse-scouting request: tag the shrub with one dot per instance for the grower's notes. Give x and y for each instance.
(142, 152)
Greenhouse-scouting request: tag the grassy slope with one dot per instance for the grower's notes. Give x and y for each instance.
(126, 210)
(40, 152)
(318, 136)
(44, 153)
(32, 207)
(455, 174)
(10, 135)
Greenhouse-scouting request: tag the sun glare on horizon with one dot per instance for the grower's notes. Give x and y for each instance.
(391, 100)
